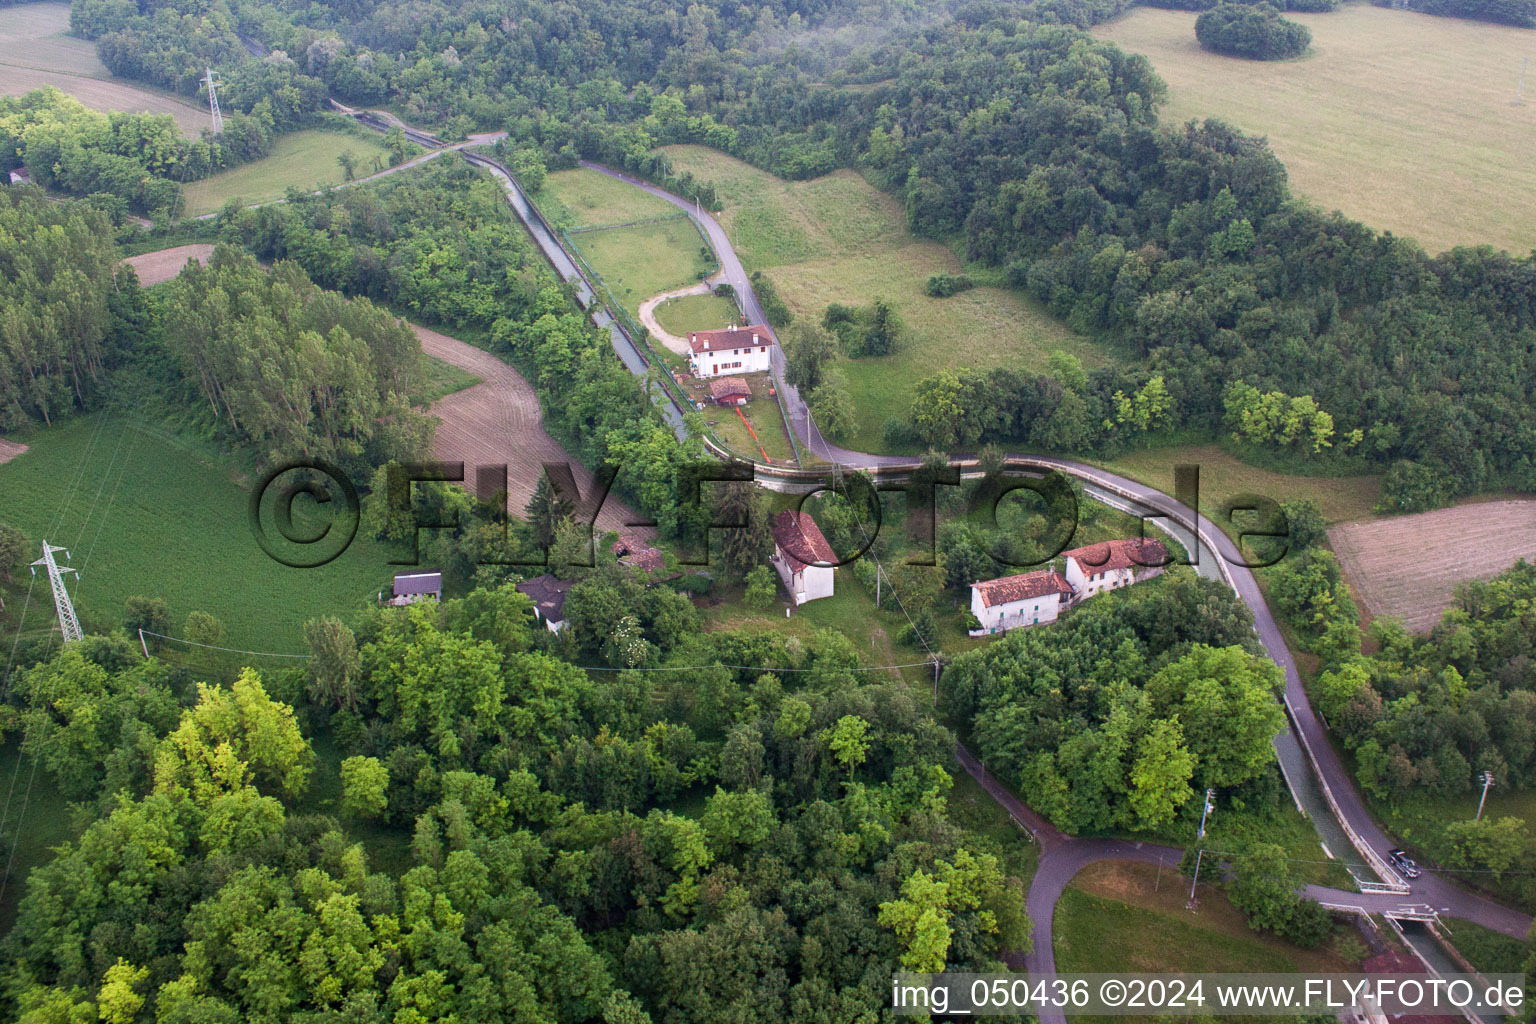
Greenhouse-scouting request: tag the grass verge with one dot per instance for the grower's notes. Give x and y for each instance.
(306, 160)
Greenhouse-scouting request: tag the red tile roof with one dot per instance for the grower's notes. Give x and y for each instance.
(1134, 553)
(731, 337)
(798, 536)
(728, 387)
(1022, 587)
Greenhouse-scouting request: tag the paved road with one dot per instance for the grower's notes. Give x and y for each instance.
(1061, 858)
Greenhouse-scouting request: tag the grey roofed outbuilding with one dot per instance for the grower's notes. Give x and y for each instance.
(548, 596)
(408, 584)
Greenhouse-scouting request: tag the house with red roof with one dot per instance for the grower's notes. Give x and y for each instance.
(731, 350)
(802, 556)
(1113, 564)
(1035, 597)
(1024, 600)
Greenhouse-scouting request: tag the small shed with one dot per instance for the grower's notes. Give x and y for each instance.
(411, 587)
(548, 596)
(729, 391)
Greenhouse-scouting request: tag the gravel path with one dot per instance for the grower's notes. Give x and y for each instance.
(648, 316)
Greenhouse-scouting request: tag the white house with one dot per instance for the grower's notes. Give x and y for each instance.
(1024, 600)
(731, 350)
(1112, 564)
(798, 546)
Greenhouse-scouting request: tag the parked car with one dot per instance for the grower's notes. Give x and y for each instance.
(1403, 863)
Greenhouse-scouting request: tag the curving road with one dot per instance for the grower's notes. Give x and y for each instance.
(1062, 858)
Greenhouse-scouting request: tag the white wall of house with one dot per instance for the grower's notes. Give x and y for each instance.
(810, 583)
(729, 359)
(1086, 581)
(1012, 614)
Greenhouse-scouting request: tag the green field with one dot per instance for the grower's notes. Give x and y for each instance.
(638, 262)
(762, 412)
(305, 160)
(583, 198)
(1404, 121)
(35, 50)
(839, 239)
(1122, 916)
(696, 313)
(144, 512)
(1489, 951)
(1222, 476)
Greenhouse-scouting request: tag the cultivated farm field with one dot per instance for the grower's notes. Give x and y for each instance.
(305, 159)
(146, 512)
(36, 51)
(1409, 566)
(837, 238)
(1404, 121)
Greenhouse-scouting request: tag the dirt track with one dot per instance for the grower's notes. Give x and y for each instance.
(1409, 566)
(498, 421)
(647, 313)
(160, 267)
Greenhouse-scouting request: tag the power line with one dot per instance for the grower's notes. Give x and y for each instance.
(584, 668)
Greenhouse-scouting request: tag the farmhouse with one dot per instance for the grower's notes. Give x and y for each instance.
(797, 546)
(548, 596)
(731, 350)
(1024, 600)
(1035, 597)
(1113, 564)
(411, 587)
(729, 391)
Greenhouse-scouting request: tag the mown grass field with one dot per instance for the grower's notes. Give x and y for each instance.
(648, 259)
(839, 239)
(305, 160)
(1404, 121)
(1222, 476)
(696, 313)
(35, 51)
(586, 199)
(1122, 916)
(144, 512)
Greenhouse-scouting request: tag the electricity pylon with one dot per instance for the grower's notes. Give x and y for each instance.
(68, 624)
(213, 101)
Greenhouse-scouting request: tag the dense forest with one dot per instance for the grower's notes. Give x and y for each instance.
(1429, 714)
(543, 843)
(65, 320)
(1004, 125)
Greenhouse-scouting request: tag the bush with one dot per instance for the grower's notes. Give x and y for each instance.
(1255, 31)
(942, 286)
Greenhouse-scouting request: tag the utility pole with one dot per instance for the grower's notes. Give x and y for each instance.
(1210, 804)
(213, 101)
(68, 624)
(935, 680)
(1191, 904)
(1487, 781)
